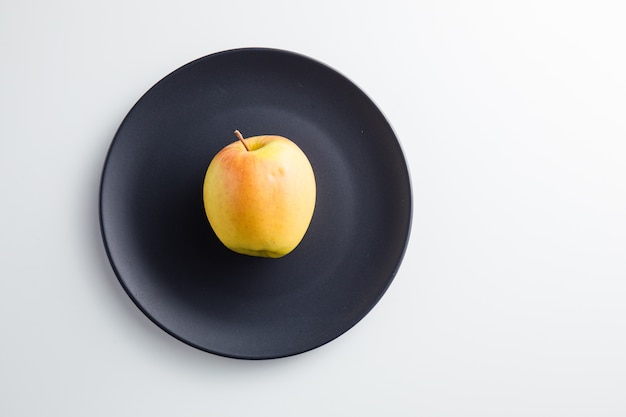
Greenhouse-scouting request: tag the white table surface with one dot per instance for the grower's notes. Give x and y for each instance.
(511, 300)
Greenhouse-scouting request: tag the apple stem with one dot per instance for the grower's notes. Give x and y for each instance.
(240, 137)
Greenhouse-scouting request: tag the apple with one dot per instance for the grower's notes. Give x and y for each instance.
(259, 195)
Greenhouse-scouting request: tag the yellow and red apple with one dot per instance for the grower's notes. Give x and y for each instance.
(259, 195)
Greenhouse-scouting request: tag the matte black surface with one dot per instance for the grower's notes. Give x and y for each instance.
(164, 251)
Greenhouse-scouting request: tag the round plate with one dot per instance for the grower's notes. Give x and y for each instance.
(164, 251)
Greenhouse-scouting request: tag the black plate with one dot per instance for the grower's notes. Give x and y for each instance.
(165, 253)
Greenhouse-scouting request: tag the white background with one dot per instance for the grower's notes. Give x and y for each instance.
(511, 300)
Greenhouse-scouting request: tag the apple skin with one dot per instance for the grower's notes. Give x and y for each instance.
(260, 201)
